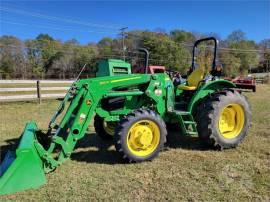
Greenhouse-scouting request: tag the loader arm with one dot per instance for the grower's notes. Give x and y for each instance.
(39, 153)
(86, 101)
(87, 95)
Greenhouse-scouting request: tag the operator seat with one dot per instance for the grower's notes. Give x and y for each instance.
(193, 80)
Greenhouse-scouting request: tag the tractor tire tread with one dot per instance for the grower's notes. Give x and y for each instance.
(124, 125)
(98, 125)
(207, 114)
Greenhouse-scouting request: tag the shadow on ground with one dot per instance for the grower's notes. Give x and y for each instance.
(104, 154)
(93, 149)
(100, 152)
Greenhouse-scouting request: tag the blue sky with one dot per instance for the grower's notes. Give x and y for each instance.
(89, 21)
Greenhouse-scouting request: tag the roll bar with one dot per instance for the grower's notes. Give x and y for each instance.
(146, 58)
(215, 51)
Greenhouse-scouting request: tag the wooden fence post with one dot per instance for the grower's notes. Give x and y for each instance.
(38, 92)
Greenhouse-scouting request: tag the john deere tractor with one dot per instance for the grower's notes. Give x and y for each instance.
(132, 110)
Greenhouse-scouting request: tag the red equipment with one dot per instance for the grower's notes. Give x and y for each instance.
(147, 69)
(245, 83)
(150, 69)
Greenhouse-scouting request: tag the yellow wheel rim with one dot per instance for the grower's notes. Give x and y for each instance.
(231, 121)
(109, 127)
(143, 138)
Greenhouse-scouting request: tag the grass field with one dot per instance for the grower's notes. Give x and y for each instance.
(185, 171)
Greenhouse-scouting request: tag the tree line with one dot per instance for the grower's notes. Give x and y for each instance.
(45, 57)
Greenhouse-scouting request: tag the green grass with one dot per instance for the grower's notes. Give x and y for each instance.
(185, 171)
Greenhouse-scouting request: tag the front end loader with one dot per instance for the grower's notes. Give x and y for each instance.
(132, 110)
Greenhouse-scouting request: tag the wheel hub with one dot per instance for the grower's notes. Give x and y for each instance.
(228, 120)
(109, 127)
(231, 121)
(143, 138)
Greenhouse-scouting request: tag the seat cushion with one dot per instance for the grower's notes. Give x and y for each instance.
(195, 77)
(193, 80)
(187, 87)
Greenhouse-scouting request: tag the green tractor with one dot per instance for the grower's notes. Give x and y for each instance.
(132, 110)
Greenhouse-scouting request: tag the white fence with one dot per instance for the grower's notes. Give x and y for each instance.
(36, 88)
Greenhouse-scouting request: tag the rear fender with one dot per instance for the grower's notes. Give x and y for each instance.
(207, 89)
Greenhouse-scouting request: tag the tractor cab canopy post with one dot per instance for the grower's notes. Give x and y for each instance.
(215, 51)
(146, 58)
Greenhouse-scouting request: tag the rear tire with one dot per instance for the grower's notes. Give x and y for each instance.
(223, 119)
(140, 136)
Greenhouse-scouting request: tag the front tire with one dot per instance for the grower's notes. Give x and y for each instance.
(140, 136)
(223, 119)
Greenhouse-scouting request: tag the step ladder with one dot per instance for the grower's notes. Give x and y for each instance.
(187, 122)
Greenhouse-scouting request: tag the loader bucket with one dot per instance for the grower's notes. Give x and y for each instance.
(22, 169)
